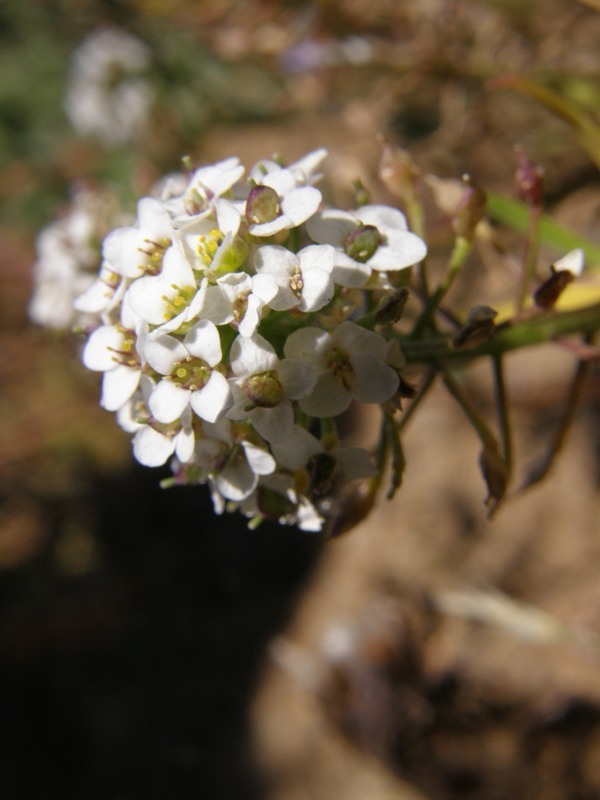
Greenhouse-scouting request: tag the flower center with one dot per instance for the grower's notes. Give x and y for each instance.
(363, 242)
(297, 282)
(191, 373)
(126, 353)
(263, 389)
(154, 252)
(262, 205)
(240, 306)
(339, 363)
(208, 244)
(175, 304)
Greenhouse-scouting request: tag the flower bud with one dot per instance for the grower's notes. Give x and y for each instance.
(529, 179)
(263, 389)
(562, 273)
(470, 210)
(362, 243)
(262, 205)
(478, 328)
(391, 307)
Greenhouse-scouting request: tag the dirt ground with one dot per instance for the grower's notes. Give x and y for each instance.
(149, 649)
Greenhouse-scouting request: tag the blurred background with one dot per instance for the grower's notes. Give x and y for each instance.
(151, 649)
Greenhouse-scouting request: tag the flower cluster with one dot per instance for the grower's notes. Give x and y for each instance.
(231, 332)
(109, 96)
(68, 255)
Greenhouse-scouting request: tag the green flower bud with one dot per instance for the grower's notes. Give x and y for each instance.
(263, 390)
(362, 243)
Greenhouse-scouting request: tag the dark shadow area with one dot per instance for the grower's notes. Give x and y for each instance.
(133, 680)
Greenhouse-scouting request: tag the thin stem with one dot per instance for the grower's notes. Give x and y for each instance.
(486, 436)
(460, 251)
(540, 471)
(425, 387)
(503, 413)
(531, 255)
(538, 329)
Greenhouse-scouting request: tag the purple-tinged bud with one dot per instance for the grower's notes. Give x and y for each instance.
(470, 211)
(529, 179)
(362, 243)
(262, 205)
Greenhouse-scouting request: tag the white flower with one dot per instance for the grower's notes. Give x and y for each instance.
(170, 298)
(373, 237)
(276, 498)
(264, 386)
(103, 295)
(352, 366)
(303, 170)
(153, 442)
(304, 280)
(301, 446)
(239, 299)
(107, 95)
(138, 249)
(231, 468)
(207, 240)
(68, 256)
(573, 262)
(277, 203)
(208, 183)
(112, 349)
(191, 377)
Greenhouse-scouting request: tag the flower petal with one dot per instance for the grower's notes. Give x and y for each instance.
(152, 448)
(203, 341)
(168, 401)
(213, 400)
(118, 386)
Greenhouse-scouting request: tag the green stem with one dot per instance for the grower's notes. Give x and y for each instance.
(460, 251)
(537, 329)
(531, 255)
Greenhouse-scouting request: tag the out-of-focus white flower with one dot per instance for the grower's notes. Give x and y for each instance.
(371, 238)
(108, 95)
(573, 262)
(68, 258)
(351, 363)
